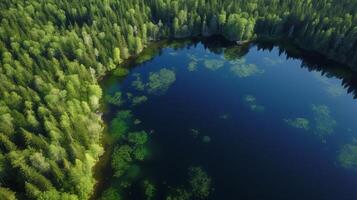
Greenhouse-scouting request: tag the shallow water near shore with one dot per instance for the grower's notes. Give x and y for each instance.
(236, 122)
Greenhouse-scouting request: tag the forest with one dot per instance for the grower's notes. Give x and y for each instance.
(53, 53)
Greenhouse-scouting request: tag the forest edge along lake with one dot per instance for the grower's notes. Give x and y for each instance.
(208, 121)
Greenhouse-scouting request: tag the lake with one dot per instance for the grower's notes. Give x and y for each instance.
(231, 122)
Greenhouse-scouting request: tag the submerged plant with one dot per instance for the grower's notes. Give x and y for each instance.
(111, 194)
(138, 84)
(200, 183)
(138, 138)
(120, 71)
(120, 124)
(194, 132)
(245, 70)
(348, 156)
(139, 100)
(159, 82)
(253, 104)
(179, 194)
(206, 139)
(116, 99)
(121, 159)
(213, 64)
(324, 123)
(301, 123)
(149, 190)
(192, 66)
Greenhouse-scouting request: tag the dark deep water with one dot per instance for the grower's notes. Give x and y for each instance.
(258, 124)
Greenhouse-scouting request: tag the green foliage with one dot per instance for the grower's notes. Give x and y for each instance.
(7, 194)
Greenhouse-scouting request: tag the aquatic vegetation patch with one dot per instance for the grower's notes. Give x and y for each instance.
(179, 194)
(121, 71)
(121, 159)
(194, 132)
(244, 70)
(199, 186)
(116, 99)
(120, 124)
(111, 194)
(138, 84)
(139, 100)
(200, 183)
(206, 139)
(348, 155)
(159, 82)
(192, 66)
(213, 64)
(324, 123)
(251, 101)
(300, 123)
(149, 190)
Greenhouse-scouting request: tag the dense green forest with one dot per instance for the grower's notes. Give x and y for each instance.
(54, 52)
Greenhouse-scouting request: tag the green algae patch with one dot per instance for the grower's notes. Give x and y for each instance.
(253, 104)
(300, 123)
(348, 156)
(213, 64)
(324, 123)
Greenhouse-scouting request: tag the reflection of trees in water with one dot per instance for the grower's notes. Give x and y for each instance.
(315, 62)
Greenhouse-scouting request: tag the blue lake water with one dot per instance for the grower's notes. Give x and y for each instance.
(258, 125)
